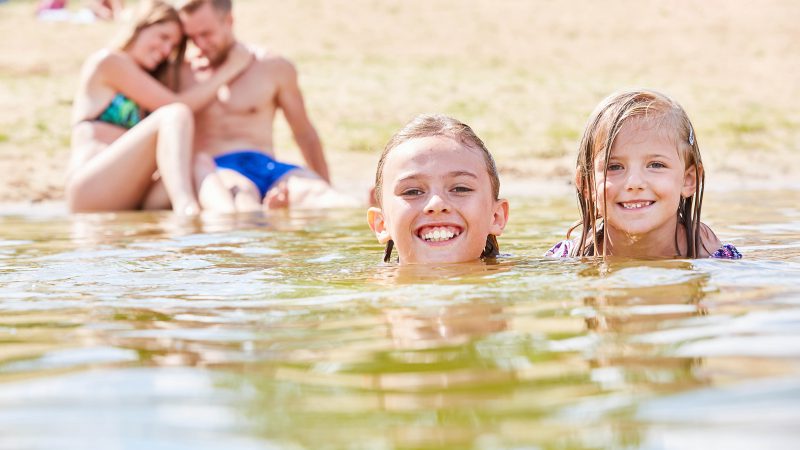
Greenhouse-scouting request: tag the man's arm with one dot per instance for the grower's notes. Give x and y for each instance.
(290, 99)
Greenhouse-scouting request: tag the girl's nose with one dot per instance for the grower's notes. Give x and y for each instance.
(635, 180)
(436, 204)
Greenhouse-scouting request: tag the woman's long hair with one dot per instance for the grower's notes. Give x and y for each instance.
(149, 13)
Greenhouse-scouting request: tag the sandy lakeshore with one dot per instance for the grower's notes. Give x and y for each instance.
(525, 75)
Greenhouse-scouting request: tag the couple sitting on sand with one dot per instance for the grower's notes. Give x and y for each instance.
(153, 130)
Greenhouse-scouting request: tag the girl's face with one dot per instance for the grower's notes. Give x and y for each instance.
(437, 203)
(155, 43)
(645, 180)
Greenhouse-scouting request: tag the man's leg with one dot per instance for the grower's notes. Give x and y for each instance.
(228, 191)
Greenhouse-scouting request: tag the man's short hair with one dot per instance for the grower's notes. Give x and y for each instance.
(190, 6)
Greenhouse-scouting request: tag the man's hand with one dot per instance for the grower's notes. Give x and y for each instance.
(277, 197)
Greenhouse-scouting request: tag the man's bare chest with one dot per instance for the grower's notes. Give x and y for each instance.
(247, 94)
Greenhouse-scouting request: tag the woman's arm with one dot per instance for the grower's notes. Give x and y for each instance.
(122, 74)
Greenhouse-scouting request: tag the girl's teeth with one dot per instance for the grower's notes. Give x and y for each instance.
(438, 235)
(636, 205)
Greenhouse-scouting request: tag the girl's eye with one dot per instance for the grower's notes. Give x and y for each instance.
(657, 165)
(462, 189)
(615, 166)
(412, 192)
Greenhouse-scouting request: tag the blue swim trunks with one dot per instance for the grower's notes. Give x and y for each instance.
(260, 168)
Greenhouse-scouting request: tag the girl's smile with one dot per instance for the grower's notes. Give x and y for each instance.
(439, 233)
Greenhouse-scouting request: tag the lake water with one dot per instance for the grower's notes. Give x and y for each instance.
(141, 330)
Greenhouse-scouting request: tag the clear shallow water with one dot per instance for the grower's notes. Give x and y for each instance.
(143, 331)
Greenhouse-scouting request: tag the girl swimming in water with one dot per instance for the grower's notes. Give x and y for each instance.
(438, 194)
(640, 182)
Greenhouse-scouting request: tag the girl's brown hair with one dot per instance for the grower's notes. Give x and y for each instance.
(149, 13)
(598, 138)
(427, 125)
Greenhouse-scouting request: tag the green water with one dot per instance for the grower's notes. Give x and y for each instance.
(144, 331)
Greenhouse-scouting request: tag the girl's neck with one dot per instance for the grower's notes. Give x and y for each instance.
(660, 243)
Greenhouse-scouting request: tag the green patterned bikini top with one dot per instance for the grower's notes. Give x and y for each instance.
(121, 111)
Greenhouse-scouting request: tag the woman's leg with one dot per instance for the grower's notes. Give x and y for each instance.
(211, 192)
(120, 175)
(214, 194)
(174, 156)
(156, 197)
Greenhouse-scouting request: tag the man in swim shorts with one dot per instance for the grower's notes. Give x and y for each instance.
(236, 129)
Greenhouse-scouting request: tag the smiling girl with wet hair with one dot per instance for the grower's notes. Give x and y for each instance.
(438, 194)
(640, 181)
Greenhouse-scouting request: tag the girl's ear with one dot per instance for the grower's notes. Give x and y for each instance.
(500, 217)
(378, 225)
(690, 181)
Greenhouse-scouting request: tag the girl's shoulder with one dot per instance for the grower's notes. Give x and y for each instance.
(562, 249)
(722, 250)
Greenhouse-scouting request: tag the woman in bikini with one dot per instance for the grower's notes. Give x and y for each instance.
(133, 126)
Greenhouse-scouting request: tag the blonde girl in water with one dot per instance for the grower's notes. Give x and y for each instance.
(639, 181)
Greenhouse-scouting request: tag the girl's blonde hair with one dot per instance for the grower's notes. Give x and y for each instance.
(149, 13)
(598, 138)
(427, 125)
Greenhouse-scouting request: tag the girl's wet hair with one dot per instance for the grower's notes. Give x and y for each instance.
(149, 13)
(428, 125)
(667, 116)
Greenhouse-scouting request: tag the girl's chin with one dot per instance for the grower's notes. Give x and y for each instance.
(442, 256)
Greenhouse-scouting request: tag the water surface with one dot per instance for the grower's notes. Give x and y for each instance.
(142, 330)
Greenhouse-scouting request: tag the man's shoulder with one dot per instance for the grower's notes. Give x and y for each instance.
(265, 55)
(270, 61)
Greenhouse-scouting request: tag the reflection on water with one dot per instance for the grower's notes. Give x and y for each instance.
(144, 330)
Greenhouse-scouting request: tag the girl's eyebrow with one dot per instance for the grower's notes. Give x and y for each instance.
(647, 156)
(658, 155)
(410, 177)
(417, 175)
(462, 173)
